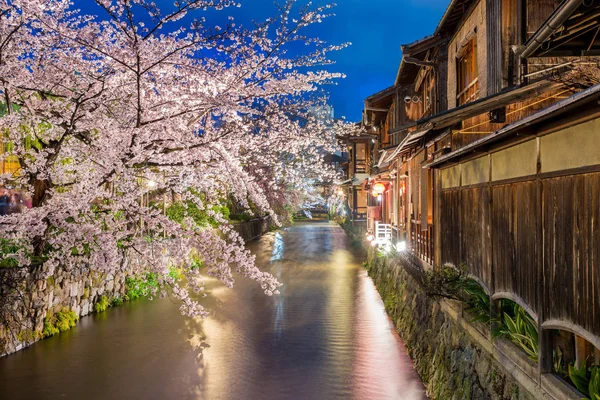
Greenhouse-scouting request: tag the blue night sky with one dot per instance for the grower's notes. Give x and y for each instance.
(376, 29)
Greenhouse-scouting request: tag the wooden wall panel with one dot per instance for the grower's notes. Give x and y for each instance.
(572, 250)
(475, 233)
(515, 237)
(465, 231)
(494, 46)
(450, 206)
(537, 12)
(509, 38)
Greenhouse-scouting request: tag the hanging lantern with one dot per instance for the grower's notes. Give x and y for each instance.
(379, 188)
(375, 193)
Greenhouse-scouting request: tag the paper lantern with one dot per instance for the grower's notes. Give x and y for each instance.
(379, 188)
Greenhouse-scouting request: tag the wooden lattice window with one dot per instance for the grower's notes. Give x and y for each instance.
(466, 74)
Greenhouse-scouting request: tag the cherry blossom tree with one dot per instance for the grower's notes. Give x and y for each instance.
(106, 113)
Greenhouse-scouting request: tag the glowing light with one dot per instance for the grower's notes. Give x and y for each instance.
(401, 246)
(379, 188)
(340, 192)
(151, 184)
(370, 238)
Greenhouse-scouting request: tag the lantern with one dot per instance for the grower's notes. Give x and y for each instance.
(379, 188)
(375, 193)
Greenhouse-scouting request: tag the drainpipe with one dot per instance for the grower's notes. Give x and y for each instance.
(550, 26)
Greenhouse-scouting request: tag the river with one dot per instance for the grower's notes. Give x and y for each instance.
(326, 336)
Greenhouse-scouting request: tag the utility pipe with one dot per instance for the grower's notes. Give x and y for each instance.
(550, 26)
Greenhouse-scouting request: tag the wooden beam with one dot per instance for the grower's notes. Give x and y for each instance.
(579, 352)
(377, 109)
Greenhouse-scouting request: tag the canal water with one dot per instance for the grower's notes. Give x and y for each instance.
(326, 336)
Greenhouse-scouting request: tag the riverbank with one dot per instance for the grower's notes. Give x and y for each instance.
(35, 304)
(456, 357)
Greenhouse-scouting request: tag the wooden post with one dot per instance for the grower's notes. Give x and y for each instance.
(545, 360)
(579, 352)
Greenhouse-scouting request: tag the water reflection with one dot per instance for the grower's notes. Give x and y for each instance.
(325, 336)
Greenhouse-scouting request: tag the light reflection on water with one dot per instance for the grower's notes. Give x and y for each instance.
(325, 336)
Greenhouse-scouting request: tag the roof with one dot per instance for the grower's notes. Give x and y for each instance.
(480, 106)
(410, 140)
(561, 107)
(416, 49)
(383, 98)
(453, 15)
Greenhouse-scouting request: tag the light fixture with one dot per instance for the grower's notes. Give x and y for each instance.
(401, 246)
(370, 238)
(151, 184)
(379, 188)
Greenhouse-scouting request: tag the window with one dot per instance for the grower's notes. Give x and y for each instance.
(466, 74)
(361, 157)
(428, 96)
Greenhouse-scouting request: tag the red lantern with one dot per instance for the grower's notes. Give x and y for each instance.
(379, 188)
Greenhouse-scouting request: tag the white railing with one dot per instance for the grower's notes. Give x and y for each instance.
(383, 233)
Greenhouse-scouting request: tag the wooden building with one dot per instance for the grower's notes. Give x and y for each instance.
(488, 146)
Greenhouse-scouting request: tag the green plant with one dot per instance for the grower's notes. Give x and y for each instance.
(28, 335)
(558, 364)
(116, 301)
(477, 300)
(59, 322)
(446, 281)
(586, 380)
(521, 329)
(101, 304)
(49, 328)
(175, 274)
(136, 287)
(181, 210)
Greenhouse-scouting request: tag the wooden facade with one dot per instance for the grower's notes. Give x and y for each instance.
(494, 164)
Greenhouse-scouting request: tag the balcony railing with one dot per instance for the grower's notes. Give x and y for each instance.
(470, 93)
(361, 166)
(383, 233)
(421, 241)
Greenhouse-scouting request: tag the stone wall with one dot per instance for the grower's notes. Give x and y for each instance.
(28, 298)
(456, 358)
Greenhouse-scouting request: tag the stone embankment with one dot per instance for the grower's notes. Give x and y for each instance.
(457, 359)
(34, 306)
(30, 301)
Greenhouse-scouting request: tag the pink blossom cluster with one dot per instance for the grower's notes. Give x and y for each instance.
(106, 112)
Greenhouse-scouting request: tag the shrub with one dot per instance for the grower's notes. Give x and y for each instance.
(136, 287)
(520, 328)
(178, 211)
(28, 335)
(59, 322)
(102, 304)
(586, 380)
(116, 301)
